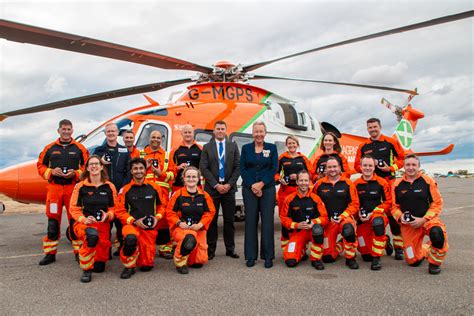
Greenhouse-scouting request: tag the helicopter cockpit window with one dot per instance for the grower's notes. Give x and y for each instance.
(94, 140)
(203, 136)
(241, 139)
(144, 137)
(97, 138)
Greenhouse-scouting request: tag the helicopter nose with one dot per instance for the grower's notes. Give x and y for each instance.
(9, 181)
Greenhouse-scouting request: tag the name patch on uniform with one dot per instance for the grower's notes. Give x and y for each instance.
(199, 204)
(418, 191)
(373, 192)
(149, 197)
(103, 193)
(341, 191)
(72, 153)
(122, 150)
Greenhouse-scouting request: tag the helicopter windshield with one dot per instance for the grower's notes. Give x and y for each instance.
(97, 137)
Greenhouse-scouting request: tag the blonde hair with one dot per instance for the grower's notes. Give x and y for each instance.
(292, 137)
(257, 123)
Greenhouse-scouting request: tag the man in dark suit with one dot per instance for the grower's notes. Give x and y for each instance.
(219, 165)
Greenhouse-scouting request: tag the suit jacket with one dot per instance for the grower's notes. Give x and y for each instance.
(262, 167)
(209, 166)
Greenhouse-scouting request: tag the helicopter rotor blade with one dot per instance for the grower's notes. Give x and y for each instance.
(441, 20)
(96, 97)
(24, 33)
(412, 92)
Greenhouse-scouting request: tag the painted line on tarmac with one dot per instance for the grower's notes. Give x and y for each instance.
(33, 255)
(459, 207)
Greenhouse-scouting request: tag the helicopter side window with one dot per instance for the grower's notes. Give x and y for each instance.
(292, 117)
(203, 136)
(241, 139)
(144, 138)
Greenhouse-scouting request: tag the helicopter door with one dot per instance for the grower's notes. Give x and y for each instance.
(145, 130)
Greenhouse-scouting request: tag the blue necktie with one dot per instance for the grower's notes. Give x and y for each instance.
(221, 161)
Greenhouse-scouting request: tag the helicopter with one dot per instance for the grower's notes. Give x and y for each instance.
(220, 92)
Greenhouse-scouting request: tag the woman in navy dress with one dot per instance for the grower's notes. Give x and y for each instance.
(258, 165)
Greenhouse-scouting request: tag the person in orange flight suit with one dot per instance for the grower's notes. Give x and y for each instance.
(375, 199)
(141, 207)
(289, 164)
(129, 139)
(341, 201)
(389, 156)
(93, 204)
(160, 170)
(331, 148)
(190, 212)
(417, 205)
(305, 217)
(61, 164)
(188, 153)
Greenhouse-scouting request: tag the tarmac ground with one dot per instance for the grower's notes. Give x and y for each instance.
(227, 286)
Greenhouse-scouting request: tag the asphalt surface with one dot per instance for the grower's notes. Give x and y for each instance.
(227, 286)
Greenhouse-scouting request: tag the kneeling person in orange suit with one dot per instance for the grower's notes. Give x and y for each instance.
(340, 199)
(141, 206)
(93, 203)
(417, 205)
(189, 214)
(304, 215)
(375, 199)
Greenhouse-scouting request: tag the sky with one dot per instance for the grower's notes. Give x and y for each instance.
(436, 60)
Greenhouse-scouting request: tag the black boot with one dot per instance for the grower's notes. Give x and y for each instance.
(398, 254)
(99, 267)
(434, 269)
(86, 276)
(182, 270)
(376, 264)
(127, 273)
(352, 264)
(47, 260)
(388, 247)
(145, 268)
(317, 264)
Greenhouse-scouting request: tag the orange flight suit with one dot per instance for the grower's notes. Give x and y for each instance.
(376, 198)
(421, 198)
(87, 197)
(289, 165)
(202, 207)
(59, 190)
(292, 213)
(165, 180)
(339, 198)
(137, 201)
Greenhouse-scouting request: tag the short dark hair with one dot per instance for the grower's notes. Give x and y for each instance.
(367, 157)
(64, 122)
(333, 158)
(220, 122)
(374, 120)
(412, 156)
(136, 161)
(128, 131)
(304, 171)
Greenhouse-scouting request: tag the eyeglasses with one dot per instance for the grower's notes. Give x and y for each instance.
(94, 164)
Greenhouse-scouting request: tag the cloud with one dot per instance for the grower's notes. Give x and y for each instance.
(382, 74)
(55, 85)
(437, 60)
